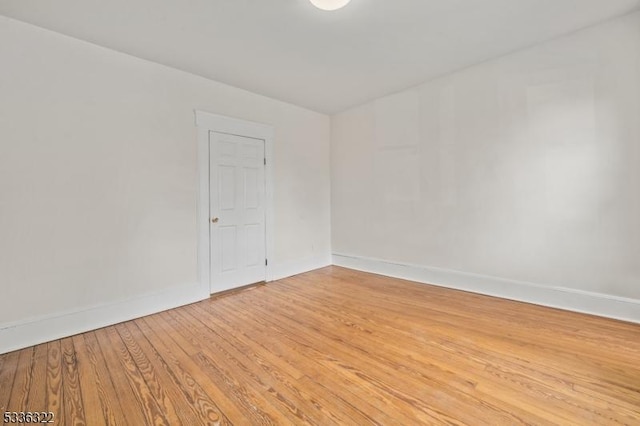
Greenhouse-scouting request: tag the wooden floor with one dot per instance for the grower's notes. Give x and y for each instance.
(336, 346)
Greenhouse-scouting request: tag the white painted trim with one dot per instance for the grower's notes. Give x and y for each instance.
(295, 267)
(207, 122)
(38, 330)
(603, 305)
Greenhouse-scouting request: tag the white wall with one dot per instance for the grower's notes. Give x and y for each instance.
(525, 168)
(98, 175)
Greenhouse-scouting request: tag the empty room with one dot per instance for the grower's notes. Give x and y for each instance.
(325, 212)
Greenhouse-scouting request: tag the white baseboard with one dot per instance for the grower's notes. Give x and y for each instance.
(556, 297)
(45, 329)
(289, 269)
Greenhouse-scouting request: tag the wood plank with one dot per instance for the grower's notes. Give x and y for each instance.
(91, 387)
(72, 402)
(146, 403)
(192, 372)
(36, 400)
(387, 387)
(195, 405)
(8, 369)
(285, 395)
(116, 395)
(150, 375)
(352, 402)
(21, 382)
(541, 388)
(254, 407)
(326, 360)
(238, 333)
(54, 397)
(244, 389)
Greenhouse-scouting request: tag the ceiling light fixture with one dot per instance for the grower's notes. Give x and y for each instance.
(329, 4)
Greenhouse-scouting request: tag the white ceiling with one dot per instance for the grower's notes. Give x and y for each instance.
(325, 61)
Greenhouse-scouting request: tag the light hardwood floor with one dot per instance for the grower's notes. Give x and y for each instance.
(335, 346)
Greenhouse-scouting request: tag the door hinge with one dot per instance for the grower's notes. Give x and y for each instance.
(265, 161)
(266, 262)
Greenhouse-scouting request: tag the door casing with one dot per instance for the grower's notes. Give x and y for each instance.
(207, 122)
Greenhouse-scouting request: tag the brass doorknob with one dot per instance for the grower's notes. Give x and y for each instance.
(215, 219)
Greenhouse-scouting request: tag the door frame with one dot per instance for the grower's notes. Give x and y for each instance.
(207, 122)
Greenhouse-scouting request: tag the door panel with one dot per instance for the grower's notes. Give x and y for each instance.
(254, 238)
(227, 187)
(228, 243)
(237, 194)
(252, 188)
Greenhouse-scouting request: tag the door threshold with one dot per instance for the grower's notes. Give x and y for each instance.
(236, 290)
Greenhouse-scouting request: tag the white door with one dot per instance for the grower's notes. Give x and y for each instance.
(237, 211)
